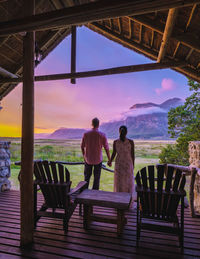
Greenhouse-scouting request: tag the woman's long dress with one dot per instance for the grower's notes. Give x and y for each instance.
(123, 176)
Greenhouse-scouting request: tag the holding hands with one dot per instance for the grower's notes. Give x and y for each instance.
(109, 163)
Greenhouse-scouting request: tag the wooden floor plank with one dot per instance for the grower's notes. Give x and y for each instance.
(99, 241)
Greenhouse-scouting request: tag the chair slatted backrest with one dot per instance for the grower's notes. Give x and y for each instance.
(160, 196)
(54, 181)
(152, 189)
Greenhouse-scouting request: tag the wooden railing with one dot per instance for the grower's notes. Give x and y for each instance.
(188, 170)
(73, 163)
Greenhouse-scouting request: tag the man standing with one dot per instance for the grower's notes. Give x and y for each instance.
(92, 143)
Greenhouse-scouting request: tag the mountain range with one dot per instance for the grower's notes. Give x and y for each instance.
(143, 120)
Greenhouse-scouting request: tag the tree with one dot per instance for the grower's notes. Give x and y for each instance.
(183, 123)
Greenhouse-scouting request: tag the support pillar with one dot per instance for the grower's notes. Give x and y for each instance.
(26, 183)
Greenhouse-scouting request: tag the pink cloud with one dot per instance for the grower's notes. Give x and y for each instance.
(167, 84)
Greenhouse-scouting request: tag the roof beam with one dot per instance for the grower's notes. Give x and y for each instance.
(185, 38)
(86, 13)
(171, 18)
(6, 73)
(102, 72)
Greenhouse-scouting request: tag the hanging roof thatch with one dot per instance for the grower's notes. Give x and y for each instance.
(142, 33)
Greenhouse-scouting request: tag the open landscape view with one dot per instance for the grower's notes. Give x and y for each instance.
(141, 101)
(99, 129)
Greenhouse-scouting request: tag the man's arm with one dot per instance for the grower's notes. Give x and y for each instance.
(106, 147)
(83, 146)
(108, 154)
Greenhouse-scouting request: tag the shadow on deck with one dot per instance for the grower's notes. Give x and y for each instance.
(100, 241)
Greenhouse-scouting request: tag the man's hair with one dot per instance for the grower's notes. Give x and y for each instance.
(95, 122)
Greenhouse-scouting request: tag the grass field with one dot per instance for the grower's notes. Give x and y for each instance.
(69, 150)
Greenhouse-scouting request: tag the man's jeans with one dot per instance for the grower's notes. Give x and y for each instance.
(96, 172)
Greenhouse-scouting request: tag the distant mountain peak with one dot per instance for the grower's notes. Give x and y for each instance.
(144, 121)
(143, 105)
(173, 102)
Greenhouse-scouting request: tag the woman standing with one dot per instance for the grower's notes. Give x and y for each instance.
(124, 163)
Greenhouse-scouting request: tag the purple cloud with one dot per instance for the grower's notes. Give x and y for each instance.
(167, 84)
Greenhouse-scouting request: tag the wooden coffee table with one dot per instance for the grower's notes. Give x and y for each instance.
(117, 200)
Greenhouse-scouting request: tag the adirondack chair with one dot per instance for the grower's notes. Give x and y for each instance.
(159, 191)
(54, 181)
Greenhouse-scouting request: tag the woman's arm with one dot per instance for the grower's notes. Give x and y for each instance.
(113, 154)
(132, 151)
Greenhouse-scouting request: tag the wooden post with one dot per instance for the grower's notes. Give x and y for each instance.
(73, 53)
(26, 183)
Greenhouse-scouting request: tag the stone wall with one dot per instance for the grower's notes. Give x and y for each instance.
(194, 152)
(4, 166)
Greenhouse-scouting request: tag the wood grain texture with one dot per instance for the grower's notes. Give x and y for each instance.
(99, 241)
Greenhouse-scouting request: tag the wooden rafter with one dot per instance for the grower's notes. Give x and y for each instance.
(119, 21)
(111, 24)
(86, 13)
(176, 49)
(167, 32)
(3, 40)
(7, 58)
(51, 37)
(184, 38)
(186, 29)
(140, 35)
(12, 49)
(130, 29)
(189, 54)
(56, 4)
(152, 38)
(188, 71)
(102, 72)
(190, 17)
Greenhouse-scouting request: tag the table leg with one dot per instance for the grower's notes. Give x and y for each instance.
(85, 216)
(87, 211)
(121, 221)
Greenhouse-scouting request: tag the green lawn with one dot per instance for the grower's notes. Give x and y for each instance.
(69, 150)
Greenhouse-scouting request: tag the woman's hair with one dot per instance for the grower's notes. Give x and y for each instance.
(122, 132)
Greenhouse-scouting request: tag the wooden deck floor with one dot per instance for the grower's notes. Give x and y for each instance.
(100, 241)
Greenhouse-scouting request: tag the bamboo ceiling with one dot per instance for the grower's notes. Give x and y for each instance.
(166, 34)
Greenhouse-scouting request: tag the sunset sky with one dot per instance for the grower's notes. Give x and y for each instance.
(61, 104)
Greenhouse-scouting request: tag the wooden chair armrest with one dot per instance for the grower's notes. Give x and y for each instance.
(80, 187)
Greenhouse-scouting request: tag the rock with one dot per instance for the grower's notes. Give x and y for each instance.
(4, 166)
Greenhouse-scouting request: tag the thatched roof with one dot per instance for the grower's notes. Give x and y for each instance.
(142, 33)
